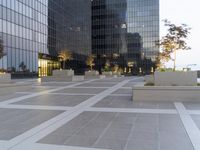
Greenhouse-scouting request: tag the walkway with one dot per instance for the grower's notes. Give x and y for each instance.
(93, 115)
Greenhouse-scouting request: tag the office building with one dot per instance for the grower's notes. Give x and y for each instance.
(118, 33)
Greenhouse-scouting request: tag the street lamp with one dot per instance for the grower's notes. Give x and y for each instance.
(189, 65)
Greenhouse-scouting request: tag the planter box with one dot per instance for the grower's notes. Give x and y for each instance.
(5, 78)
(175, 78)
(63, 73)
(91, 73)
(107, 73)
(116, 74)
(166, 93)
(62, 76)
(78, 78)
(149, 79)
(62, 79)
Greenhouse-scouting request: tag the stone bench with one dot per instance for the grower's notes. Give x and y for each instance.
(63, 79)
(5, 77)
(166, 93)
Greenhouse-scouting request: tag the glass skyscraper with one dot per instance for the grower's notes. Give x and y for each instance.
(117, 32)
(124, 34)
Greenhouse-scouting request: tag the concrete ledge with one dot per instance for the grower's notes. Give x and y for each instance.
(5, 78)
(166, 93)
(63, 79)
(77, 78)
(107, 73)
(91, 73)
(175, 78)
(149, 79)
(61, 73)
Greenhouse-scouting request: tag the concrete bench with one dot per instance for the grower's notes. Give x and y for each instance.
(5, 77)
(166, 93)
(63, 79)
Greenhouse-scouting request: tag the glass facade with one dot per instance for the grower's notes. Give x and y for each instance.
(23, 32)
(124, 34)
(117, 32)
(70, 29)
(32, 27)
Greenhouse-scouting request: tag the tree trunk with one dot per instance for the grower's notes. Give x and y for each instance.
(63, 65)
(174, 69)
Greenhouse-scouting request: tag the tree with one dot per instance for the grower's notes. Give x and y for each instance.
(90, 61)
(173, 41)
(22, 66)
(107, 66)
(64, 56)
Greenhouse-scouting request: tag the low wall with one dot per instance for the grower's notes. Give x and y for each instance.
(166, 93)
(62, 73)
(78, 78)
(91, 73)
(107, 73)
(175, 78)
(62, 79)
(149, 79)
(5, 78)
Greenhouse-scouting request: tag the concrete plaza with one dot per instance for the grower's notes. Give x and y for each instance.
(94, 114)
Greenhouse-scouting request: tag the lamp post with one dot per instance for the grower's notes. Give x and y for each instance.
(190, 65)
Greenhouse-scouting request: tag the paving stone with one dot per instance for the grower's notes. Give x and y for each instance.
(10, 96)
(196, 119)
(171, 123)
(105, 116)
(91, 131)
(123, 91)
(103, 130)
(6, 134)
(15, 122)
(110, 143)
(99, 84)
(56, 139)
(174, 141)
(138, 144)
(192, 105)
(55, 100)
(83, 141)
(144, 135)
(122, 134)
(81, 90)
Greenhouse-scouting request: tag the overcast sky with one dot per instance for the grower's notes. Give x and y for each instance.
(188, 12)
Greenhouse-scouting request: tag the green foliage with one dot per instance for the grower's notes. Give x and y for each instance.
(149, 84)
(90, 61)
(106, 69)
(107, 66)
(64, 56)
(22, 66)
(173, 41)
(165, 69)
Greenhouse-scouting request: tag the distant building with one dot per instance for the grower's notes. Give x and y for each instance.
(128, 28)
(33, 32)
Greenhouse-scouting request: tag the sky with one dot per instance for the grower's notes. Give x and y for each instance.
(187, 12)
